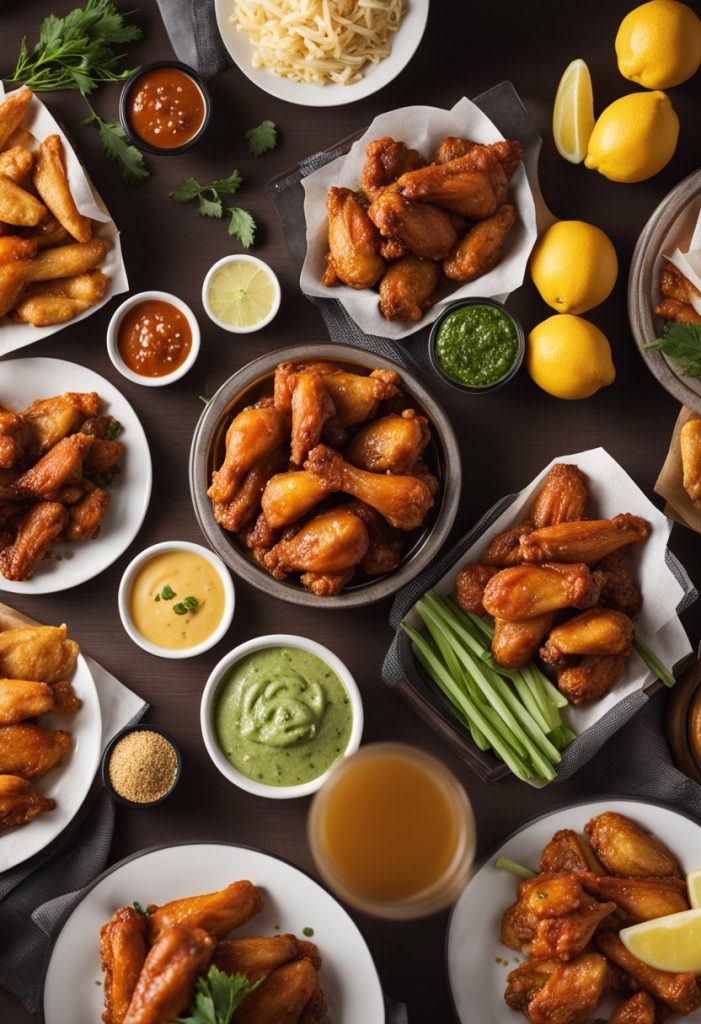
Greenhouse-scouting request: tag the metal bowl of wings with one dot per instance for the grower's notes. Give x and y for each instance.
(325, 475)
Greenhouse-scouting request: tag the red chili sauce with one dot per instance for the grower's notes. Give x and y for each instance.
(154, 338)
(166, 108)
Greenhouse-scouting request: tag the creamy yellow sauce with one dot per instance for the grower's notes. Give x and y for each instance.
(176, 599)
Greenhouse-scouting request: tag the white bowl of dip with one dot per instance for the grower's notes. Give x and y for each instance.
(176, 599)
(280, 716)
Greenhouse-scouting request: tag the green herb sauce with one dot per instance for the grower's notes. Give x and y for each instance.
(477, 345)
(282, 716)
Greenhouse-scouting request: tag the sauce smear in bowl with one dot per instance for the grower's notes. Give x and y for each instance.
(154, 338)
(166, 108)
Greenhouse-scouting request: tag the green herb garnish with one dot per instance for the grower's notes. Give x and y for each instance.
(308, 932)
(262, 139)
(189, 604)
(168, 593)
(114, 430)
(217, 997)
(103, 479)
(210, 204)
(682, 343)
(242, 226)
(140, 910)
(118, 148)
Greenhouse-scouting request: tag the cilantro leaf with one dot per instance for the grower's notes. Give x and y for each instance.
(217, 997)
(682, 343)
(227, 186)
(189, 189)
(209, 197)
(241, 226)
(210, 207)
(262, 138)
(118, 148)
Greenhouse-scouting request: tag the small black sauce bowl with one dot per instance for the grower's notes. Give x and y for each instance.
(133, 79)
(468, 388)
(104, 767)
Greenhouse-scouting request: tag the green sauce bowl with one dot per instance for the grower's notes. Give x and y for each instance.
(510, 371)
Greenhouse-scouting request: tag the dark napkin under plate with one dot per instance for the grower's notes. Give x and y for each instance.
(192, 29)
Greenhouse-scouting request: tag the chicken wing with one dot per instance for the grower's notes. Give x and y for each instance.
(587, 541)
(167, 981)
(482, 248)
(404, 501)
(30, 751)
(392, 249)
(15, 437)
(674, 285)
(473, 185)
(13, 278)
(514, 644)
(592, 677)
(20, 803)
(426, 230)
(624, 849)
(312, 407)
(597, 631)
(260, 537)
(55, 302)
(235, 514)
(66, 700)
(52, 419)
(690, 444)
(639, 899)
(51, 182)
(253, 435)
(332, 542)
(123, 952)
(639, 1009)
(42, 653)
(469, 586)
(17, 206)
(678, 992)
(408, 288)
(391, 444)
(68, 260)
(356, 399)
(12, 111)
(384, 551)
(385, 160)
(85, 516)
(289, 496)
(354, 243)
(504, 549)
(63, 464)
(508, 152)
(21, 698)
(568, 852)
(619, 591)
(256, 958)
(564, 938)
(37, 529)
(217, 912)
(528, 591)
(12, 247)
(282, 997)
(326, 584)
(562, 498)
(572, 992)
(679, 312)
(524, 983)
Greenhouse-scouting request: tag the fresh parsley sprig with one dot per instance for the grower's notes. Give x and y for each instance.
(210, 204)
(682, 343)
(217, 997)
(118, 148)
(262, 138)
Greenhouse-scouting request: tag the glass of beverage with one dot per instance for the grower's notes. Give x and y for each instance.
(392, 832)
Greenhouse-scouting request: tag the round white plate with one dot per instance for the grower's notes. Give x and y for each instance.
(376, 76)
(22, 381)
(293, 901)
(477, 979)
(68, 783)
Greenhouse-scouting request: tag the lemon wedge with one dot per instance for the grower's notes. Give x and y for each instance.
(573, 113)
(671, 943)
(241, 294)
(693, 884)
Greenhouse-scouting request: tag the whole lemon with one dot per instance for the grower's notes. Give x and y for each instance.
(574, 266)
(568, 357)
(658, 44)
(634, 137)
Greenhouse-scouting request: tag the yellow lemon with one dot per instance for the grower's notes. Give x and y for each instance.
(568, 357)
(671, 943)
(573, 113)
(241, 294)
(658, 44)
(693, 884)
(574, 266)
(634, 137)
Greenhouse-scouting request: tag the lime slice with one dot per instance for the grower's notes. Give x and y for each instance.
(671, 943)
(693, 884)
(573, 113)
(242, 294)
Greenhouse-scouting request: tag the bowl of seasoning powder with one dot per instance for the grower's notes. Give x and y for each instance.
(476, 345)
(141, 766)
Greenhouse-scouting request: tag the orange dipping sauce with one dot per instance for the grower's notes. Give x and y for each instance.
(154, 338)
(166, 108)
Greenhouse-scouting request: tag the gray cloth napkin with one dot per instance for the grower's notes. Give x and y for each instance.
(192, 29)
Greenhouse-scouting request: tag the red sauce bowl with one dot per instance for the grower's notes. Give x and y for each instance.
(153, 338)
(165, 108)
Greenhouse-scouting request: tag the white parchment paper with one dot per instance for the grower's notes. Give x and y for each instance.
(689, 262)
(421, 128)
(41, 123)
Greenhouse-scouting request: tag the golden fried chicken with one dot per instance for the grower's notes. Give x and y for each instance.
(217, 912)
(256, 957)
(311, 406)
(62, 464)
(123, 952)
(690, 444)
(639, 1009)
(528, 591)
(619, 591)
(624, 849)
(587, 541)
(16, 163)
(404, 501)
(15, 437)
(260, 537)
(473, 185)
(289, 496)
(235, 514)
(592, 677)
(408, 288)
(469, 586)
(482, 248)
(564, 938)
(562, 498)
(29, 751)
(43, 653)
(679, 992)
(253, 435)
(85, 516)
(384, 551)
(22, 698)
(391, 444)
(524, 983)
(326, 584)
(166, 984)
(316, 1010)
(37, 529)
(680, 312)
(508, 152)
(504, 549)
(639, 899)
(569, 852)
(514, 644)
(103, 454)
(354, 243)
(572, 992)
(385, 160)
(51, 182)
(356, 398)
(551, 895)
(282, 997)
(332, 542)
(392, 249)
(674, 285)
(20, 803)
(52, 419)
(12, 111)
(66, 700)
(597, 631)
(426, 230)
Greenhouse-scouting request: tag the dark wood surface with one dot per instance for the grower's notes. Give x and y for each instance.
(506, 438)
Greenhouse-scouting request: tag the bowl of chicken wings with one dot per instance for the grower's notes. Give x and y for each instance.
(325, 475)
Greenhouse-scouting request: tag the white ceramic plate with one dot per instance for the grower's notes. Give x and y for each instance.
(68, 783)
(22, 381)
(376, 76)
(477, 979)
(293, 901)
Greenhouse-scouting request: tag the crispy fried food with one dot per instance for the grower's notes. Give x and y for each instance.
(690, 444)
(482, 248)
(37, 529)
(473, 185)
(62, 464)
(356, 399)
(404, 501)
(508, 152)
(469, 586)
(20, 137)
(55, 302)
(391, 444)
(21, 699)
(217, 912)
(384, 551)
(451, 148)
(66, 701)
(30, 751)
(565, 937)
(680, 312)
(48, 234)
(85, 516)
(385, 160)
(103, 454)
(12, 111)
(549, 896)
(597, 631)
(569, 852)
(524, 983)
(514, 644)
(562, 498)
(311, 407)
(12, 248)
(572, 992)
(426, 230)
(282, 997)
(393, 249)
(354, 243)
(674, 285)
(52, 419)
(592, 677)
(258, 957)
(166, 984)
(51, 182)
(289, 496)
(252, 436)
(260, 537)
(42, 653)
(332, 542)
(20, 803)
(15, 437)
(528, 591)
(68, 260)
(408, 288)
(13, 278)
(587, 541)
(326, 584)
(504, 549)
(640, 899)
(16, 163)
(123, 952)
(619, 591)
(639, 1009)
(678, 992)
(624, 849)
(17, 206)
(235, 514)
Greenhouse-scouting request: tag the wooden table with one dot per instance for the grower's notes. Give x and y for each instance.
(506, 438)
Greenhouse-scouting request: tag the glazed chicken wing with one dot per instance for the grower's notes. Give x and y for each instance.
(254, 434)
(15, 437)
(326, 584)
(234, 515)
(217, 912)
(282, 997)
(504, 549)
(587, 541)
(639, 899)
(524, 983)
(332, 542)
(21, 698)
(123, 952)
(473, 185)
(66, 700)
(85, 516)
(674, 285)
(508, 152)
(572, 992)
(385, 160)
(61, 465)
(597, 631)
(482, 248)
(639, 1009)
(20, 803)
(38, 528)
(514, 644)
(167, 981)
(43, 653)
(564, 938)
(404, 501)
(356, 399)
(469, 586)
(620, 591)
(528, 591)
(256, 958)
(408, 288)
(426, 230)
(592, 677)
(289, 496)
(624, 849)
(562, 498)
(678, 992)
(391, 444)
(354, 243)
(52, 419)
(312, 407)
(30, 751)
(103, 454)
(384, 551)
(569, 852)
(679, 312)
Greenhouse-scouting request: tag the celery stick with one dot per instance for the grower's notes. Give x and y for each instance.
(653, 662)
(516, 869)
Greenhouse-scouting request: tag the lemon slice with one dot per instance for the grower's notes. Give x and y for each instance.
(671, 943)
(242, 294)
(693, 884)
(573, 113)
